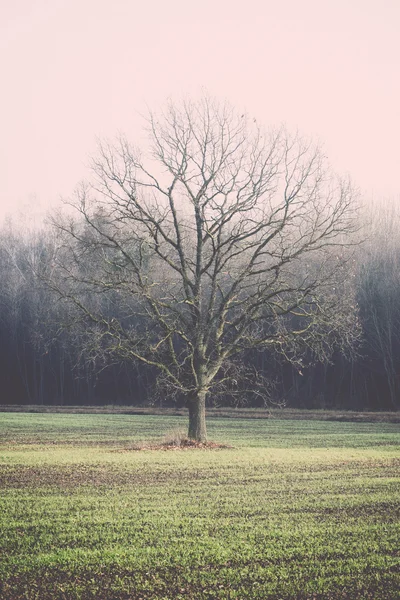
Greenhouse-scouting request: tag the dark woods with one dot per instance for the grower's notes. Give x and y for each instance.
(44, 359)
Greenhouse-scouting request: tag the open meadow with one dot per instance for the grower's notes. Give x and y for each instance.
(304, 509)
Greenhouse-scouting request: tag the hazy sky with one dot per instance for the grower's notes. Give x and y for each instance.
(72, 70)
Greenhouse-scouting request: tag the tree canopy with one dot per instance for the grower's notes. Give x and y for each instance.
(224, 238)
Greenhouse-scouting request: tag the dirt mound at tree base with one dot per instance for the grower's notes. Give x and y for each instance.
(187, 443)
(181, 444)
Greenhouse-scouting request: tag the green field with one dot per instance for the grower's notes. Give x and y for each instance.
(295, 509)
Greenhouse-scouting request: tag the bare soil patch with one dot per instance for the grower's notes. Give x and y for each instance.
(73, 476)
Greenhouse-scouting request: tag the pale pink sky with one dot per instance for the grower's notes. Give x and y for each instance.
(72, 70)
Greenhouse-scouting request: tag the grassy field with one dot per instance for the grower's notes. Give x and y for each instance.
(296, 509)
(223, 411)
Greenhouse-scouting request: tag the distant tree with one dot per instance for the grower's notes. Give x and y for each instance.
(226, 238)
(378, 288)
(25, 305)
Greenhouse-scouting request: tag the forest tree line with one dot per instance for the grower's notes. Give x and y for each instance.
(43, 361)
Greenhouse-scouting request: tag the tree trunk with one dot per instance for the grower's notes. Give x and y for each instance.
(197, 417)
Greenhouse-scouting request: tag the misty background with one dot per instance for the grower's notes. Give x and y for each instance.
(73, 71)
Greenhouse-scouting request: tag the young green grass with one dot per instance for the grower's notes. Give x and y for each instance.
(296, 509)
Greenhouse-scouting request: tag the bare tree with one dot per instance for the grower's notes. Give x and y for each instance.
(224, 238)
